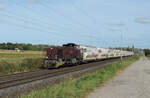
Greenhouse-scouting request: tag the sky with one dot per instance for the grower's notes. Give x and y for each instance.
(98, 23)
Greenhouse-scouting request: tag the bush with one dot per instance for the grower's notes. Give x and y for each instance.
(6, 67)
(29, 64)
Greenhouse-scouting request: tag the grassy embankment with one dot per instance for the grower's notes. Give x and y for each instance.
(80, 87)
(12, 62)
(148, 57)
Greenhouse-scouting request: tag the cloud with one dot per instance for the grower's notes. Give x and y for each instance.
(117, 24)
(113, 29)
(142, 20)
(34, 1)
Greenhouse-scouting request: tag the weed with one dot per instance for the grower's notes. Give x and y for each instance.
(20, 62)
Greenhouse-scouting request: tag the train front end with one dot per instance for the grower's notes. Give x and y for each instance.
(51, 59)
(59, 56)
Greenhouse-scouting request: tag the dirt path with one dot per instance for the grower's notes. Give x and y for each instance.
(134, 82)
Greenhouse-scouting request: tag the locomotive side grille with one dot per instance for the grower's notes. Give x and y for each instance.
(51, 53)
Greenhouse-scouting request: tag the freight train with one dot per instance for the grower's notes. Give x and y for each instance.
(72, 54)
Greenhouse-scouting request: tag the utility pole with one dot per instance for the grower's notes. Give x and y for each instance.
(121, 42)
(133, 48)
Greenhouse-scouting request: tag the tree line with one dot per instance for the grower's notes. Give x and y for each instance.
(23, 46)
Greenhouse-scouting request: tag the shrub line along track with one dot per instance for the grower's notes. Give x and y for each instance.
(11, 80)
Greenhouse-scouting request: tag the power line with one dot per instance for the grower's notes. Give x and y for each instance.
(61, 14)
(67, 18)
(33, 23)
(30, 22)
(46, 17)
(24, 20)
(84, 12)
(33, 27)
(27, 27)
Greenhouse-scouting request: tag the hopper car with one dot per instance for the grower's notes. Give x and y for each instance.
(72, 54)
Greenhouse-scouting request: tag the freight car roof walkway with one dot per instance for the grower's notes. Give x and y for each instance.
(134, 82)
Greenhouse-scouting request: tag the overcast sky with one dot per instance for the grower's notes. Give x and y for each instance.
(89, 22)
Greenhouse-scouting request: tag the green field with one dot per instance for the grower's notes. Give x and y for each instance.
(80, 87)
(13, 62)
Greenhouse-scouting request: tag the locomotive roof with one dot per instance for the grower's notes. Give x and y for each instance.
(70, 44)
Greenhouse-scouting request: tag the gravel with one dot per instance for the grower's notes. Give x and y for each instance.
(134, 82)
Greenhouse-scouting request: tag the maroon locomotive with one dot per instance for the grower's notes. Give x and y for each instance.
(68, 54)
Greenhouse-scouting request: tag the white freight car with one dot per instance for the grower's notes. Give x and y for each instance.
(93, 53)
(89, 53)
(103, 53)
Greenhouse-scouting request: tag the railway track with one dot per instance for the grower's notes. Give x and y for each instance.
(12, 80)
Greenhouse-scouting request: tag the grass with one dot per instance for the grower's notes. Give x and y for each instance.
(80, 87)
(20, 62)
(148, 57)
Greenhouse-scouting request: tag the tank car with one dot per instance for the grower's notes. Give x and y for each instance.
(89, 53)
(103, 53)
